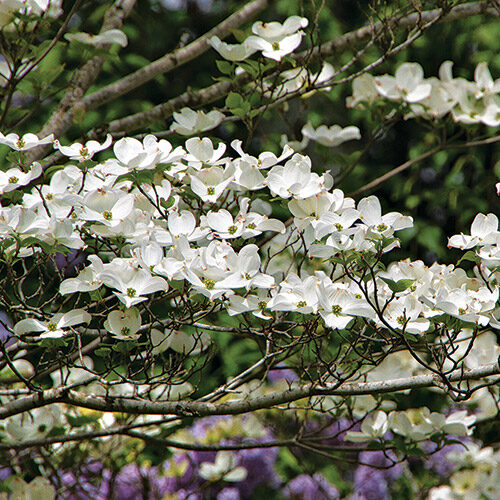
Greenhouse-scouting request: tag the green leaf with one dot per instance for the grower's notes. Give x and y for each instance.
(96, 295)
(103, 352)
(53, 343)
(166, 204)
(398, 286)
(13, 197)
(234, 100)
(224, 67)
(471, 256)
(124, 347)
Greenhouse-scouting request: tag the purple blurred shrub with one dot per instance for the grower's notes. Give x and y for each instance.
(5, 472)
(305, 487)
(385, 461)
(92, 481)
(69, 263)
(138, 483)
(259, 462)
(283, 373)
(370, 484)
(4, 322)
(373, 477)
(229, 494)
(437, 461)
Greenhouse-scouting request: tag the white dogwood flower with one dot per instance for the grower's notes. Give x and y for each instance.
(224, 468)
(278, 49)
(80, 152)
(56, 327)
(191, 122)
(274, 31)
(331, 136)
(373, 427)
(133, 284)
(14, 177)
(339, 306)
(107, 37)
(484, 231)
(232, 52)
(407, 84)
(124, 325)
(211, 182)
(27, 141)
(179, 341)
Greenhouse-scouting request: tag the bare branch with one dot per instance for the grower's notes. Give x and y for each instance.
(406, 165)
(344, 42)
(202, 409)
(173, 59)
(61, 119)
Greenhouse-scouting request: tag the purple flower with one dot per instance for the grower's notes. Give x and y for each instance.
(259, 462)
(282, 374)
(370, 484)
(437, 461)
(4, 322)
(392, 470)
(335, 432)
(92, 482)
(305, 487)
(189, 482)
(68, 263)
(5, 472)
(229, 494)
(201, 427)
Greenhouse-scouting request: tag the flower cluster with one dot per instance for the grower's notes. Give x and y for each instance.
(475, 476)
(432, 98)
(165, 241)
(274, 40)
(8, 9)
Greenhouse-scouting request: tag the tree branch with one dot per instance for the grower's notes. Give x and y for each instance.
(406, 165)
(220, 89)
(173, 59)
(62, 118)
(202, 409)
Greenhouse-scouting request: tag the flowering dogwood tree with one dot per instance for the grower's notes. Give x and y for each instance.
(189, 312)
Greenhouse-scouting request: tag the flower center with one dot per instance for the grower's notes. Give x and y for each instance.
(337, 310)
(125, 330)
(232, 229)
(51, 326)
(209, 284)
(262, 305)
(21, 144)
(84, 152)
(131, 292)
(107, 215)
(381, 227)
(302, 303)
(338, 227)
(401, 320)
(251, 225)
(210, 190)
(13, 179)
